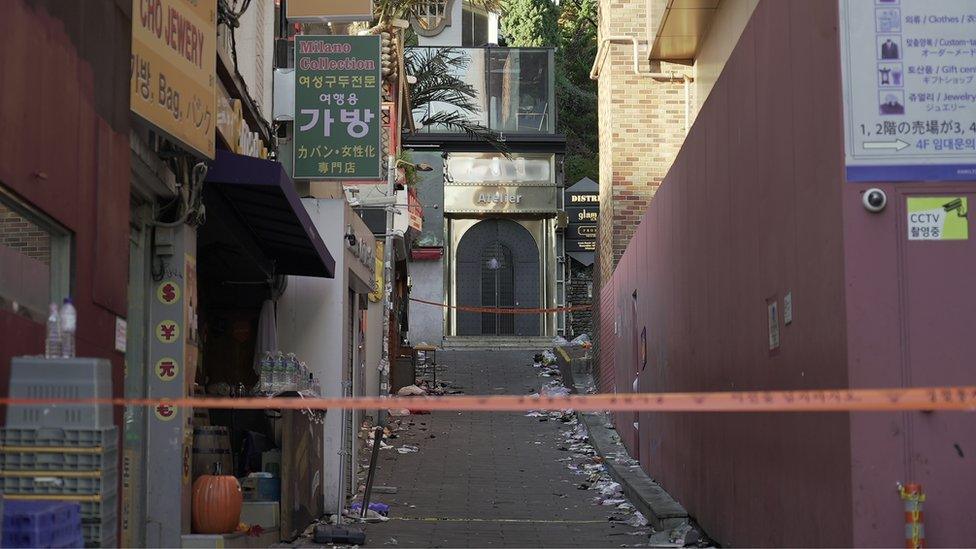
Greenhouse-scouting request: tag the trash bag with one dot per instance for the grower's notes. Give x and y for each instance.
(581, 340)
(559, 341)
(557, 391)
(411, 390)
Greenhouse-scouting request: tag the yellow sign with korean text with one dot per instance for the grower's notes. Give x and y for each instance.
(173, 69)
(377, 294)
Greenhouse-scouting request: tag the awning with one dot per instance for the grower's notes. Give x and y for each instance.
(263, 199)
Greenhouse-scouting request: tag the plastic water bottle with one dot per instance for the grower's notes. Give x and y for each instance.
(267, 372)
(69, 325)
(291, 372)
(278, 375)
(52, 343)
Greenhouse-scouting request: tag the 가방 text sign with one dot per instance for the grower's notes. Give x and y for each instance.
(337, 107)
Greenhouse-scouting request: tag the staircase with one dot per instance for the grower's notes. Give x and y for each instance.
(534, 343)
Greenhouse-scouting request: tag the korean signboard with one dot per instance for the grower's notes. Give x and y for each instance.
(337, 107)
(173, 69)
(909, 74)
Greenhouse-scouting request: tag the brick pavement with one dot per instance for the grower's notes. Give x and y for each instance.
(488, 479)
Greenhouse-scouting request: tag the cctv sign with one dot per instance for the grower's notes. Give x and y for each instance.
(938, 218)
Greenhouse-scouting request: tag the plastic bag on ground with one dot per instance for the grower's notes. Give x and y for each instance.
(557, 391)
(582, 340)
(411, 390)
(559, 341)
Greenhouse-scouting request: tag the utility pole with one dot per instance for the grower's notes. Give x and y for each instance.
(385, 361)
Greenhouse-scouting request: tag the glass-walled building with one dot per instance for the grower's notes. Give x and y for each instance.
(492, 205)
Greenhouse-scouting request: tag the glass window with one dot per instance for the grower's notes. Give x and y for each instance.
(474, 28)
(34, 259)
(519, 96)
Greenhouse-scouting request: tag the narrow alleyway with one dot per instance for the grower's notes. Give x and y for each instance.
(490, 479)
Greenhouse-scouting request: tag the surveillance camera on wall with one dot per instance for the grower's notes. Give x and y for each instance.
(874, 200)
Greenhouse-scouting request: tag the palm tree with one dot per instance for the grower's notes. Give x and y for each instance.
(439, 85)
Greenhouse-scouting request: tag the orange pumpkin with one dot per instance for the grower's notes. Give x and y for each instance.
(216, 505)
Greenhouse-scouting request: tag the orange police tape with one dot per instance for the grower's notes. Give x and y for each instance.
(839, 400)
(503, 310)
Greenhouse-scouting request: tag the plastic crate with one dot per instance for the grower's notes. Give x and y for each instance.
(101, 532)
(58, 459)
(59, 482)
(51, 437)
(93, 506)
(33, 523)
(60, 378)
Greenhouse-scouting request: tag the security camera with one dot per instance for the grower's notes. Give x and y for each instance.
(874, 200)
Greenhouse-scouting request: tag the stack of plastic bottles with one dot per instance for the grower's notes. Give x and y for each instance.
(282, 372)
(41, 523)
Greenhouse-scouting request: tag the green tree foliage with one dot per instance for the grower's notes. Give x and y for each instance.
(570, 27)
(530, 23)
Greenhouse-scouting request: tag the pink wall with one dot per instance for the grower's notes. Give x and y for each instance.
(756, 205)
(750, 211)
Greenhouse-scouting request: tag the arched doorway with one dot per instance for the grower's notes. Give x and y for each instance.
(497, 265)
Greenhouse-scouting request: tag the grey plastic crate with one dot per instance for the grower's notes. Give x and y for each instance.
(60, 378)
(53, 483)
(54, 437)
(58, 460)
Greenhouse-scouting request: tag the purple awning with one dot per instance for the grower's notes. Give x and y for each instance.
(264, 199)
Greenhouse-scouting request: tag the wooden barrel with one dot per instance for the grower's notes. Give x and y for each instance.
(211, 443)
(201, 417)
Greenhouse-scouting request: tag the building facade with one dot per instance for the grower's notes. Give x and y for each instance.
(761, 264)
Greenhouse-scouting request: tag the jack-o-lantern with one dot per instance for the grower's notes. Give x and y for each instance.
(216, 505)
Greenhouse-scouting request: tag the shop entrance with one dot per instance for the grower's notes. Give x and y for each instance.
(497, 266)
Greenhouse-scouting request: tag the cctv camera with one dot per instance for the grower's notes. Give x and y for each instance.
(874, 200)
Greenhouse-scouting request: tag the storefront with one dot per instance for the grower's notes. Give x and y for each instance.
(324, 322)
(213, 280)
(500, 235)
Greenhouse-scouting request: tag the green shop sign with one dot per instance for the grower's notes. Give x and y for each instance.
(337, 107)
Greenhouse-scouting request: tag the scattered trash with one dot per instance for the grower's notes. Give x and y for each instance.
(582, 340)
(380, 508)
(559, 341)
(408, 449)
(411, 390)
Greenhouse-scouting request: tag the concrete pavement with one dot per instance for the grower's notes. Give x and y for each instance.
(491, 479)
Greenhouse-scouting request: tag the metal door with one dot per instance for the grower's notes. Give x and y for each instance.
(497, 265)
(497, 289)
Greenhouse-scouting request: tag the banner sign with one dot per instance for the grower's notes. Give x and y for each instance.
(173, 69)
(909, 75)
(337, 107)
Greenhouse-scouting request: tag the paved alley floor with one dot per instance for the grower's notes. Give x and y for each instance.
(489, 479)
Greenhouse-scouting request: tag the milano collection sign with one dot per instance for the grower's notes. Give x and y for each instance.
(173, 67)
(338, 123)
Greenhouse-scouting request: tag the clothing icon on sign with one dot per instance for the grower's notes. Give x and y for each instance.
(892, 102)
(890, 75)
(889, 47)
(888, 20)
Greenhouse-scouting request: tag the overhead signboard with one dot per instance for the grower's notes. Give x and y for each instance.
(338, 125)
(909, 80)
(173, 69)
(329, 10)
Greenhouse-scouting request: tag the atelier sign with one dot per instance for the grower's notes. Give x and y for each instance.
(496, 198)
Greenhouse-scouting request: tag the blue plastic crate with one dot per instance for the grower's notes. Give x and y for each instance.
(58, 459)
(59, 482)
(41, 523)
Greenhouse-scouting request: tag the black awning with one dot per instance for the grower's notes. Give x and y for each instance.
(263, 199)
